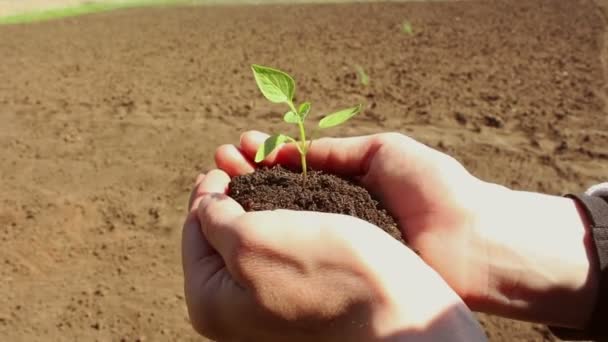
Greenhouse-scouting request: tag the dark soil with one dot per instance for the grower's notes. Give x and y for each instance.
(278, 188)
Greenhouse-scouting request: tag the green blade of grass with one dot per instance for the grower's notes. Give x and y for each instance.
(86, 8)
(407, 28)
(362, 75)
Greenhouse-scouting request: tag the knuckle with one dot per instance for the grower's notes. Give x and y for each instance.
(394, 141)
(391, 138)
(207, 206)
(215, 173)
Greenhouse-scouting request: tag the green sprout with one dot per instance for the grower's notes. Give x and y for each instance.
(406, 27)
(278, 87)
(363, 76)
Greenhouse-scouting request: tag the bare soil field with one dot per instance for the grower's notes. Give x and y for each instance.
(105, 121)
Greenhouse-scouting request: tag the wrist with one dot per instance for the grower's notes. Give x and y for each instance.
(539, 258)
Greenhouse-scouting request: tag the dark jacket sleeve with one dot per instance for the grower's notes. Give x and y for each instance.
(595, 203)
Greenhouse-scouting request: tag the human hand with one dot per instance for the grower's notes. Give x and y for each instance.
(516, 254)
(429, 193)
(301, 276)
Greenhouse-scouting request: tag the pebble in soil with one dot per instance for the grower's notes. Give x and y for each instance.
(279, 188)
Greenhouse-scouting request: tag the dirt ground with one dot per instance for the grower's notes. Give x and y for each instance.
(105, 120)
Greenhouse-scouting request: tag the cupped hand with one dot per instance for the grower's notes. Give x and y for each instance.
(303, 276)
(431, 195)
(516, 254)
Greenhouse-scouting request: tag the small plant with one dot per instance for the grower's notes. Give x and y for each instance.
(278, 87)
(362, 75)
(406, 27)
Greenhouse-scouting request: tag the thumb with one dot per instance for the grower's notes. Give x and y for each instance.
(217, 214)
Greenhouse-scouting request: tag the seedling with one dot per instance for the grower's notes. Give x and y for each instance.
(363, 76)
(278, 87)
(406, 27)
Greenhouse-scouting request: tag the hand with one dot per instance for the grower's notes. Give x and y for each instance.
(429, 193)
(503, 252)
(304, 276)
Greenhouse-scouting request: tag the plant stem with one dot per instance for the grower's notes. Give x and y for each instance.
(303, 148)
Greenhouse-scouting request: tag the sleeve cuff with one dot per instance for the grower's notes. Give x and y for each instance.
(596, 207)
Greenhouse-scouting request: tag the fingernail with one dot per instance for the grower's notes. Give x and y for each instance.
(258, 136)
(254, 136)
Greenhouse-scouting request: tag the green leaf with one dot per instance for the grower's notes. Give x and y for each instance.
(291, 117)
(407, 28)
(363, 77)
(269, 145)
(276, 85)
(339, 117)
(304, 110)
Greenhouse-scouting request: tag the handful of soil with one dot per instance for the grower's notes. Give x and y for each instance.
(279, 188)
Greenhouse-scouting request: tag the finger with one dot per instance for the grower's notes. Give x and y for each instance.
(230, 159)
(217, 214)
(214, 181)
(198, 181)
(213, 300)
(194, 245)
(292, 231)
(343, 156)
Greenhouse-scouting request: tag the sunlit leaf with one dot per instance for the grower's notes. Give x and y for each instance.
(339, 117)
(291, 117)
(407, 28)
(276, 85)
(269, 145)
(304, 110)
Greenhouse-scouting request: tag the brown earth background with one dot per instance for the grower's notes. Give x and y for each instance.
(106, 119)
